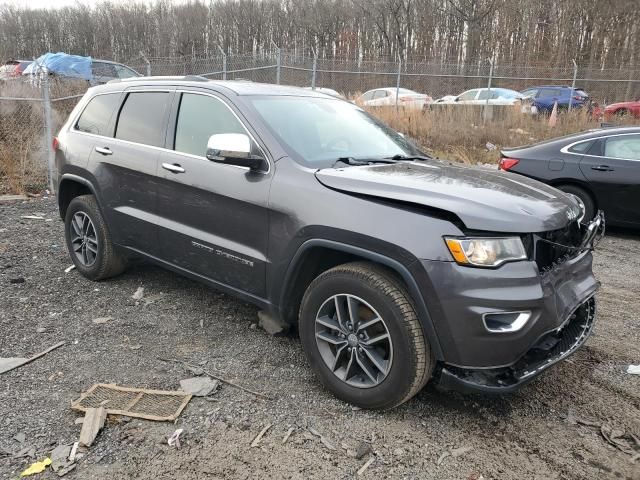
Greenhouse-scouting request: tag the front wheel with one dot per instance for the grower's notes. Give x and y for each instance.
(585, 198)
(362, 337)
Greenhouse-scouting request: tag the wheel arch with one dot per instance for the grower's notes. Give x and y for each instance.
(72, 186)
(318, 255)
(576, 183)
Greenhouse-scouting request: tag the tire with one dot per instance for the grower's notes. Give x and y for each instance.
(587, 200)
(373, 292)
(106, 261)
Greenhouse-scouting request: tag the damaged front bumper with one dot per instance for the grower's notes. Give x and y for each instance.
(547, 351)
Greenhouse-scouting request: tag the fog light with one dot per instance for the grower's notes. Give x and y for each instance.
(505, 322)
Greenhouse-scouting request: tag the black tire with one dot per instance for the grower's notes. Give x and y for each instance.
(587, 200)
(107, 262)
(412, 363)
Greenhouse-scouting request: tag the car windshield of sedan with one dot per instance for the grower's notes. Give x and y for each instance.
(319, 131)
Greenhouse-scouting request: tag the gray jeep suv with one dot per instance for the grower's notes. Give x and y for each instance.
(396, 268)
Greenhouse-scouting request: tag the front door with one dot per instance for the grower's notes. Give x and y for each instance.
(612, 166)
(214, 217)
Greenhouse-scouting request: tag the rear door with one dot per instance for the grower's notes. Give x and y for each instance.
(612, 166)
(126, 168)
(214, 216)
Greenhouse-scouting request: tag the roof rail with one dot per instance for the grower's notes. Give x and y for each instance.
(190, 78)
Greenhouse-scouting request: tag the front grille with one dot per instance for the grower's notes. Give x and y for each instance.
(555, 247)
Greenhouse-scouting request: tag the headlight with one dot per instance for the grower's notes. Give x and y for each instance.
(485, 252)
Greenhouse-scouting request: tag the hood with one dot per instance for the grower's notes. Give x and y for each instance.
(483, 199)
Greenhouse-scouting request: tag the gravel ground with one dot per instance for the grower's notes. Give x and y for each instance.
(548, 430)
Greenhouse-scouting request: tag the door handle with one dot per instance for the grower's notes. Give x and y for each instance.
(104, 150)
(602, 168)
(173, 167)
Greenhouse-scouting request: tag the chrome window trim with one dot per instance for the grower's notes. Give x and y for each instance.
(566, 148)
(72, 128)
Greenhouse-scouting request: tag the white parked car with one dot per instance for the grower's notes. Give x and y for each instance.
(381, 97)
(479, 96)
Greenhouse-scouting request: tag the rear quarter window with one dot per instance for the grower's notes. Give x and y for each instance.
(581, 147)
(96, 116)
(142, 118)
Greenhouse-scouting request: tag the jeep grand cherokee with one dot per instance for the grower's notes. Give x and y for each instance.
(396, 268)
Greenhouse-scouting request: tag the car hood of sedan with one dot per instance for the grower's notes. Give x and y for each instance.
(483, 199)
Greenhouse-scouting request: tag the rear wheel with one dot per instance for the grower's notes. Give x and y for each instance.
(89, 242)
(361, 335)
(584, 196)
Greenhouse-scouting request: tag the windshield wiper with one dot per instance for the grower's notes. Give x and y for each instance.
(399, 157)
(366, 161)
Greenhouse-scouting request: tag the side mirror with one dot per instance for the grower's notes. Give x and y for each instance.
(233, 149)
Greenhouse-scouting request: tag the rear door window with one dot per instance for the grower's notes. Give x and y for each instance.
(142, 118)
(624, 146)
(96, 116)
(199, 117)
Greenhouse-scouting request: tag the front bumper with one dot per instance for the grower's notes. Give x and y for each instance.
(547, 351)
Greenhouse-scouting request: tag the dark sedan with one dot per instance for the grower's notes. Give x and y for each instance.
(601, 167)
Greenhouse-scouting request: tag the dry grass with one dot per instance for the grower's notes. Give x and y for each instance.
(459, 133)
(23, 163)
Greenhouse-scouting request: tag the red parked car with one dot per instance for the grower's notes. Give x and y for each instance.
(623, 108)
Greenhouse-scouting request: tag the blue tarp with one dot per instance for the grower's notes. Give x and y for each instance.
(62, 64)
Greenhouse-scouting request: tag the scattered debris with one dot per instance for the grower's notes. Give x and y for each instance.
(79, 421)
(94, 419)
(101, 320)
(32, 217)
(618, 439)
(16, 280)
(324, 441)
(174, 438)
(442, 457)
(633, 369)
(490, 147)
(217, 377)
(74, 451)
(363, 449)
(199, 386)
(287, 435)
(13, 364)
(69, 268)
(158, 405)
(60, 459)
(12, 198)
(139, 293)
(458, 452)
(137, 346)
(270, 324)
(365, 466)
(20, 437)
(37, 467)
(256, 441)
(197, 371)
(41, 330)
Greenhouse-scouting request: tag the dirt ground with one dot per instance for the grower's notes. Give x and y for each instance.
(551, 429)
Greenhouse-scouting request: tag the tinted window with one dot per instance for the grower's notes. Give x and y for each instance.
(550, 92)
(142, 118)
(625, 146)
(96, 115)
(199, 117)
(100, 69)
(581, 147)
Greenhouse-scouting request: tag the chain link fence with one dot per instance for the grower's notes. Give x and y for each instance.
(32, 109)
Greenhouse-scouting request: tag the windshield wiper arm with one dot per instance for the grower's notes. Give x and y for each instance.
(398, 157)
(366, 161)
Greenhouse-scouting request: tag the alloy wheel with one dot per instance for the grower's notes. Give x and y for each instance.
(354, 341)
(84, 240)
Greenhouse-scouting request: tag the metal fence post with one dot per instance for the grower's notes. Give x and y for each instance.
(277, 62)
(224, 63)
(573, 83)
(398, 81)
(486, 106)
(48, 136)
(313, 72)
(147, 63)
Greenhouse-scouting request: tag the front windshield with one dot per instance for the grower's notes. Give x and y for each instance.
(318, 131)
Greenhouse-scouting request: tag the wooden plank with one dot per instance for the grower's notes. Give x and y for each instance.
(35, 357)
(93, 422)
